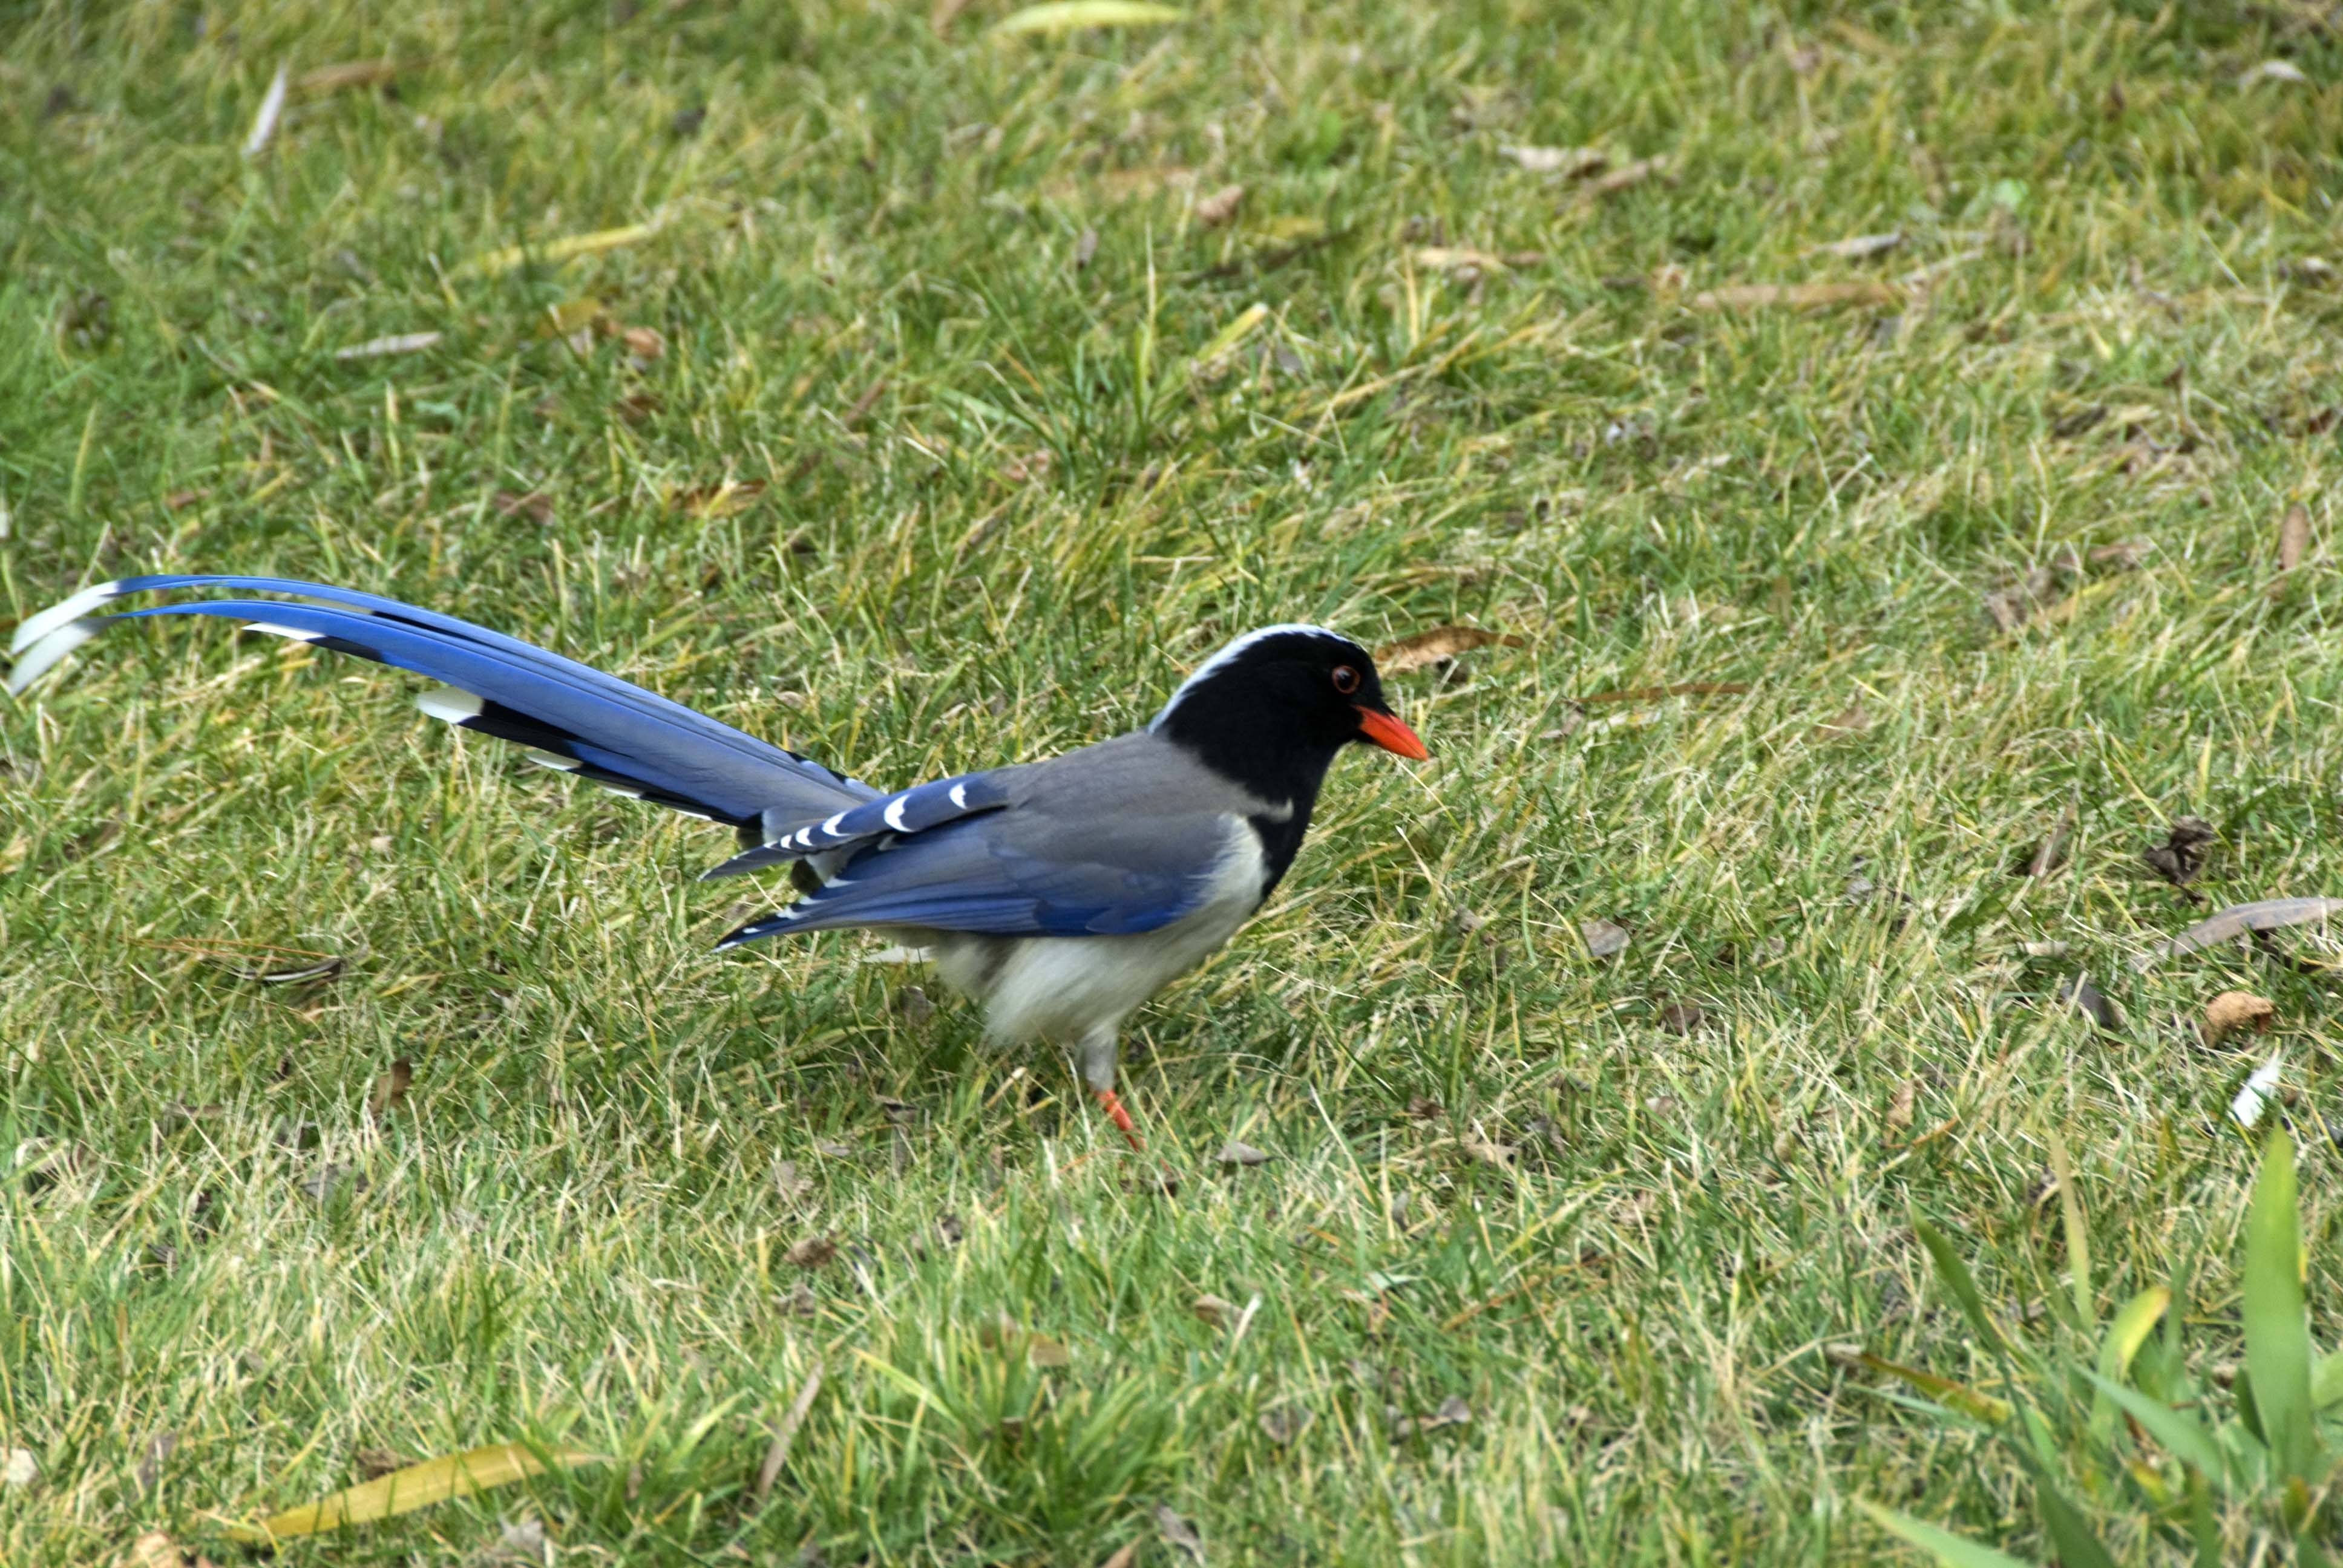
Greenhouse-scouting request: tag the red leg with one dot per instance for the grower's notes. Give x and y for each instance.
(1119, 1116)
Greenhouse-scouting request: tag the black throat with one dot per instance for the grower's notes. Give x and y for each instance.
(1269, 761)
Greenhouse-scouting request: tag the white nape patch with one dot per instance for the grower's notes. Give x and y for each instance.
(1234, 650)
(960, 796)
(548, 759)
(39, 657)
(449, 703)
(273, 629)
(894, 817)
(39, 626)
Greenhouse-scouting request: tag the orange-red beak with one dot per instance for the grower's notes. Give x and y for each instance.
(1389, 734)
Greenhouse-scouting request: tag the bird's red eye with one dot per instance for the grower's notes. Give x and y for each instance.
(1346, 679)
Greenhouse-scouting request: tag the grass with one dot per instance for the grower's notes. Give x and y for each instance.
(931, 303)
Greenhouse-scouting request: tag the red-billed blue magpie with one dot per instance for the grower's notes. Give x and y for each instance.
(1061, 894)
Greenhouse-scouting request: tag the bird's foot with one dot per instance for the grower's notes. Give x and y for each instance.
(1120, 1117)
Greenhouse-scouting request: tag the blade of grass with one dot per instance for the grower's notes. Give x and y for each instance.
(1943, 1545)
(2277, 1334)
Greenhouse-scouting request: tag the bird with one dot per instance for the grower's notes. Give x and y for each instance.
(1060, 894)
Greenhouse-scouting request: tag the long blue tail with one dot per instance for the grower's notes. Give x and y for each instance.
(569, 716)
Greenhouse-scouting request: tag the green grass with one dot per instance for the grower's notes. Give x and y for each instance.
(1002, 509)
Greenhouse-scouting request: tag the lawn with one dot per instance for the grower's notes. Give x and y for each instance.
(921, 398)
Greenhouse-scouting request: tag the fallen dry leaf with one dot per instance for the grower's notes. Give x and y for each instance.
(1282, 1423)
(1085, 247)
(2051, 853)
(1626, 176)
(389, 1088)
(536, 506)
(1453, 1411)
(811, 1252)
(1604, 938)
(1858, 247)
(2233, 1011)
(1853, 720)
(1233, 1153)
(1440, 642)
(1214, 1310)
(645, 343)
(1674, 689)
(1572, 163)
(2266, 915)
(785, 1432)
(349, 74)
(1899, 1108)
(149, 1474)
(1467, 263)
(2182, 854)
(2276, 71)
(2293, 537)
(373, 1462)
(727, 499)
(2077, 992)
(1124, 1555)
(156, 1550)
(1219, 208)
(1178, 1532)
(19, 1467)
(1795, 296)
(1682, 1017)
(417, 1486)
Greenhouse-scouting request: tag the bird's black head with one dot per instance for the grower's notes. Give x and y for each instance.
(1270, 709)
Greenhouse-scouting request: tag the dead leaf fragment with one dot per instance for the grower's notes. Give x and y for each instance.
(1235, 1153)
(1440, 642)
(1571, 162)
(1682, 1017)
(2266, 915)
(2182, 854)
(389, 1088)
(1899, 1108)
(1674, 689)
(1604, 938)
(811, 1252)
(2077, 992)
(1627, 175)
(156, 1550)
(1086, 245)
(645, 343)
(1124, 1556)
(2233, 1011)
(2051, 853)
(1453, 1411)
(149, 1474)
(373, 1462)
(1795, 296)
(785, 1432)
(536, 505)
(20, 1467)
(1214, 1310)
(1219, 208)
(348, 74)
(2293, 537)
(1858, 247)
(1854, 719)
(2276, 71)
(1282, 1423)
(1178, 1532)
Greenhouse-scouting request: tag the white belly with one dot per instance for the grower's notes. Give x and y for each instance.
(1070, 988)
